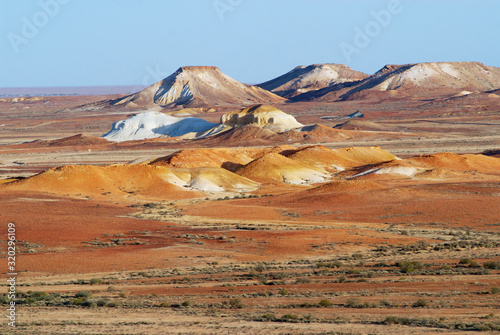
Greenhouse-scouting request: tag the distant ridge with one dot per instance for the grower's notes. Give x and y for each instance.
(313, 77)
(14, 92)
(414, 80)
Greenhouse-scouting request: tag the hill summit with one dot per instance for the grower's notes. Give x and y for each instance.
(454, 75)
(313, 77)
(197, 86)
(415, 80)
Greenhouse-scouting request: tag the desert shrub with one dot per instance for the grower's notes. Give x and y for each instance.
(357, 255)
(165, 304)
(325, 303)
(268, 317)
(83, 294)
(32, 297)
(123, 294)
(491, 265)
(336, 264)
(465, 261)
(495, 290)
(283, 291)
(55, 295)
(236, 303)
(151, 205)
(381, 265)
(95, 281)
(102, 302)
(354, 303)
(302, 280)
(79, 301)
(391, 320)
(341, 279)
(112, 304)
(332, 264)
(262, 279)
(280, 275)
(489, 316)
(322, 265)
(187, 303)
(486, 326)
(88, 303)
(437, 323)
(406, 266)
(289, 318)
(29, 301)
(420, 303)
(386, 303)
(474, 264)
(39, 295)
(4, 299)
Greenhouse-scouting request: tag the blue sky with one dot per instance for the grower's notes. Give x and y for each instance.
(135, 42)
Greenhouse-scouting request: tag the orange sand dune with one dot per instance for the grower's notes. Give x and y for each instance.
(88, 180)
(319, 133)
(187, 172)
(133, 180)
(338, 159)
(454, 162)
(230, 159)
(274, 167)
(215, 157)
(436, 166)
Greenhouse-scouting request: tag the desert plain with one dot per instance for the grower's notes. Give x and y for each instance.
(368, 205)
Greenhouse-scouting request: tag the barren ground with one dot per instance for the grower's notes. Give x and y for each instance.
(413, 256)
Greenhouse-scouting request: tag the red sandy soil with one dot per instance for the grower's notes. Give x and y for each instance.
(427, 205)
(75, 223)
(432, 198)
(66, 236)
